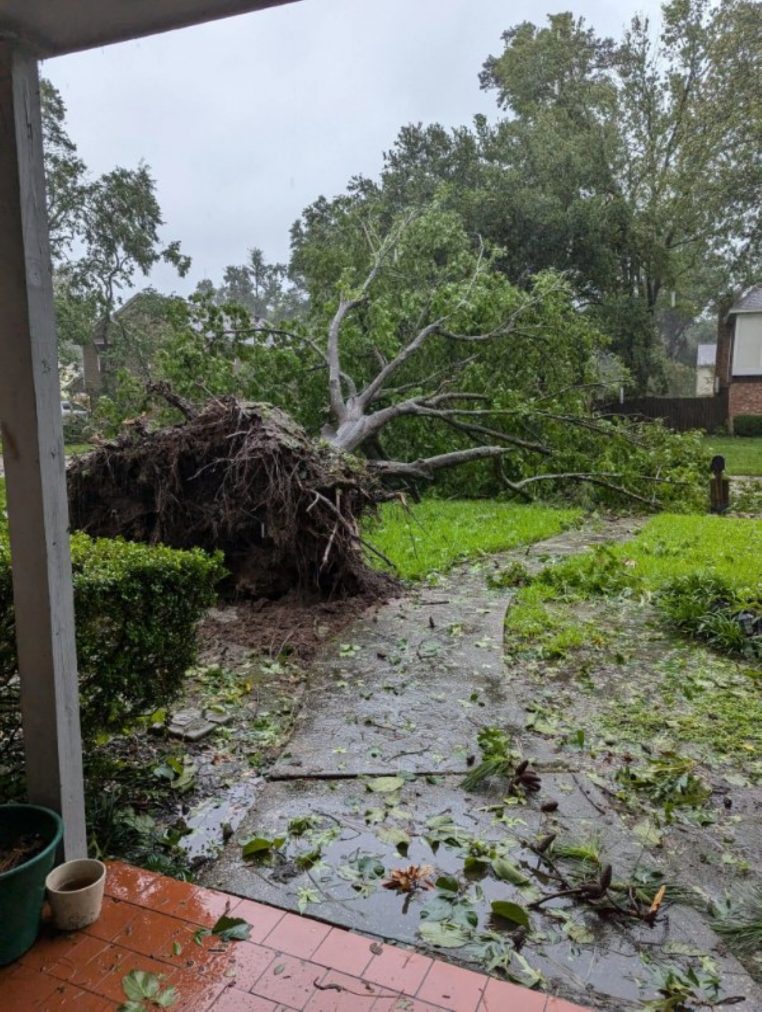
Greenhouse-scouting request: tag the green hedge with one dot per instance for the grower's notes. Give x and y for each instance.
(747, 425)
(136, 611)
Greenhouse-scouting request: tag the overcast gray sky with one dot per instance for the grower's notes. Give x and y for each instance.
(245, 121)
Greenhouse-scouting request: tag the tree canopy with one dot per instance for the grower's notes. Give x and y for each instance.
(631, 165)
(104, 231)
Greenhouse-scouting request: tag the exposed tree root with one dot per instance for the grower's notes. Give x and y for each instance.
(241, 478)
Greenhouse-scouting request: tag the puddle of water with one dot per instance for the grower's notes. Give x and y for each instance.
(213, 821)
(608, 964)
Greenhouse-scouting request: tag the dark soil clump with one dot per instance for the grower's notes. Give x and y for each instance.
(239, 478)
(23, 849)
(289, 626)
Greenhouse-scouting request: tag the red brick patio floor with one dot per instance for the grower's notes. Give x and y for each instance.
(290, 962)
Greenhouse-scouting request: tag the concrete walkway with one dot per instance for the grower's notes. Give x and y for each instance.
(403, 697)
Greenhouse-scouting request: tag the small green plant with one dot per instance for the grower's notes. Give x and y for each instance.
(498, 758)
(739, 922)
(585, 851)
(136, 612)
(116, 829)
(747, 425)
(604, 571)
(712, 608)
(685, 990)
(515, 574)
(667, 780)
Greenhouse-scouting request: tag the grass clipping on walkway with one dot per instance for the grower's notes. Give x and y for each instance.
(238, 477)
(429, 537)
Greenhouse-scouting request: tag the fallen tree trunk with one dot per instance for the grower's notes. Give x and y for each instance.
(239, 478)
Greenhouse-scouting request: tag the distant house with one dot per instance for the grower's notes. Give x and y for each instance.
(739, 355)
(139, 312)
(706, 357)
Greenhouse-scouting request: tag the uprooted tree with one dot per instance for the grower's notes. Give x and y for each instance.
(430, 359)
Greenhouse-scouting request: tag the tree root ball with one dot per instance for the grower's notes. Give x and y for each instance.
(239, 478)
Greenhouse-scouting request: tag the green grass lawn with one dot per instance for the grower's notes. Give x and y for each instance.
(668, 547)
(672, 545)
(431, 536)
(743, 454)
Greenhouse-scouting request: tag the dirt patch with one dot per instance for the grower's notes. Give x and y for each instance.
(289, 626)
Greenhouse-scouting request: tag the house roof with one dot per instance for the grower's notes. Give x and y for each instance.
(749, 302)
(54, 27)
(706, 354)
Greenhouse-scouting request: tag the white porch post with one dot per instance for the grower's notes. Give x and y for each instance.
(30, 417)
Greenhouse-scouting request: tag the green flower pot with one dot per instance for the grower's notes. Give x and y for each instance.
(22, 889)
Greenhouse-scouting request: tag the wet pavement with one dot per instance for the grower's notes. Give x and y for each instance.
(371, 781)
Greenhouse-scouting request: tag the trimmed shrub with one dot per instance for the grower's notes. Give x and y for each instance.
(747, 425)
(136, 610)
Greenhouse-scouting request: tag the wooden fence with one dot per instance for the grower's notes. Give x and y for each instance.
(680, 413)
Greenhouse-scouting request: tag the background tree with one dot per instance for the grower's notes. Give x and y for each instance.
(104, 232)
(263, 289)
(631, 165)
(663, 136)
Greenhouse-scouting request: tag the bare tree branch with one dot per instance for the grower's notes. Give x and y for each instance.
(371, 391)
(338, 405)
(595, 478)
(427, 467)
(311, 342)
(471, 429)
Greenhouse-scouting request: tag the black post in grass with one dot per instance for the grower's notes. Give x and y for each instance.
(719, 486)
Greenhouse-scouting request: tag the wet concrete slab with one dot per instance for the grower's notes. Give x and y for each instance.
(403, 695)
(610, 966)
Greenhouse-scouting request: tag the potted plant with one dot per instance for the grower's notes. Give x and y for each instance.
(29, 838)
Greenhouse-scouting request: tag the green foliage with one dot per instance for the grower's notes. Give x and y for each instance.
(610, 134)
(429, 537)
(117, 830)
(536, 377)
(136, 610)
(682, 990)
(498, 757)
(104, 232)
(667, 780)
(704, 703)
(747, 425)
(739, 922)
(588, 171)
(705, 569)
(515, 574)
(714, 608)
(126, 400)
(145, 990)
(258, 287)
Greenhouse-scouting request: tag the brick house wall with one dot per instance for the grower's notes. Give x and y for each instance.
(744, 392)
(745, 397)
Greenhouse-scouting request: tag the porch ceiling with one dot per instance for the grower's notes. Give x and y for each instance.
(54, 27)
